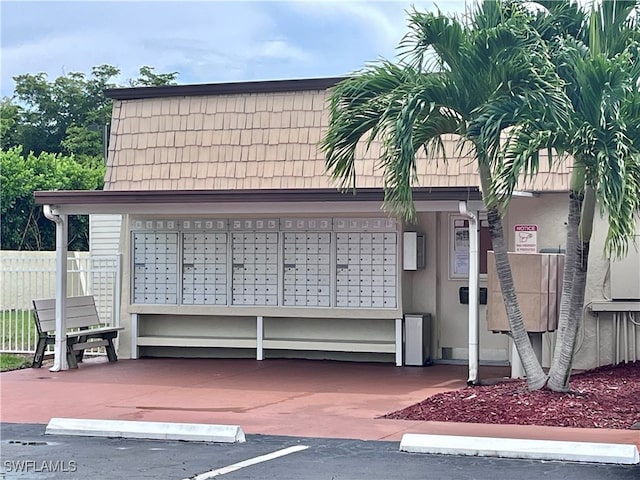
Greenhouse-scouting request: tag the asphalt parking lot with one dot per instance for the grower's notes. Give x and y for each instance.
(28, 454)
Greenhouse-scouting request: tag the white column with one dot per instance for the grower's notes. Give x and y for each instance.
(398, 342)
(517, 370)
(60, 346)
(259, 338)
(134, 336)
(474, 300)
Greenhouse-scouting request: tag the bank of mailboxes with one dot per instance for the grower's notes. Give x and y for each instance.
(538, 282)
(255, 268)
(365, 268)
(307, 269)
(155, 267)
(204, 269)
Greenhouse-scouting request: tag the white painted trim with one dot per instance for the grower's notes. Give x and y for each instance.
(134, 336)
(348, 207)
(446, 206)
(259, 338)
(276, 312)
(399, 346)
(253, 208)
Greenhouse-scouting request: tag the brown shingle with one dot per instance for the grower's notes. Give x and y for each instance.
(195, 105)
(274, 135)
(190, 138)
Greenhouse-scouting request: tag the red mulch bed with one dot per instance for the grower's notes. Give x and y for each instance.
(606, 397)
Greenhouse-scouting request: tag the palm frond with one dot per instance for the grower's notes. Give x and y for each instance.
(432, 43)
(359, 111)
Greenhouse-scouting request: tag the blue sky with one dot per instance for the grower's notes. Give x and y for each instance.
(205, 41)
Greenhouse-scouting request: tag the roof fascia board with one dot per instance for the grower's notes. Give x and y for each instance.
(228, 88)
(264, 208)
(254, 208)
(80, 202)
(234, 196)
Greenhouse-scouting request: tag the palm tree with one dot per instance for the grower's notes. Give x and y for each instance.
(473, 80)
(597, 54)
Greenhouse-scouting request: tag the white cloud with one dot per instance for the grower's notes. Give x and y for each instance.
(203, 41)
(283, 50)
(216, 41)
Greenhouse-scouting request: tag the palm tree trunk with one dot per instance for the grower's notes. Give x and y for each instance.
(570, 264)
(536, 377)
(570, 321)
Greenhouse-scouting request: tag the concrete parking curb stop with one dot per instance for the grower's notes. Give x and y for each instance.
(521, 448)
(190, 432)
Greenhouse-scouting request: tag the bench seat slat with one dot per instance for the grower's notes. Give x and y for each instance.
(91, 344)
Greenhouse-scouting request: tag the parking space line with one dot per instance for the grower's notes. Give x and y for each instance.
(249, 462)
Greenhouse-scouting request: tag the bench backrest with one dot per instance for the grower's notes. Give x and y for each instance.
(81, 312)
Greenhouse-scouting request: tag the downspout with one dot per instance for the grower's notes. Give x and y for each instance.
(474, 310)
(60, 346)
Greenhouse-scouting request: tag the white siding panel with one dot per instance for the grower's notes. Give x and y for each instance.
(104, 234)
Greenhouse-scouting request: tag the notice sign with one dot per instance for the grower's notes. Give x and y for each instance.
(526, 238)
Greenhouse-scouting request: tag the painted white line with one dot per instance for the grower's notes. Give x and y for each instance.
(248, 463)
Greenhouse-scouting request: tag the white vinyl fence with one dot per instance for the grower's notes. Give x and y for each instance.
(29, 275)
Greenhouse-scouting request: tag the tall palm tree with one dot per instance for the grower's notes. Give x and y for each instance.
(470, 79)
(597, 53)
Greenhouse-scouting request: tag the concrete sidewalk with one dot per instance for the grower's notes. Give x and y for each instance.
(275, 397)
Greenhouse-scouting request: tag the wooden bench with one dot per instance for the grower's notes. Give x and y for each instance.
(84, 329)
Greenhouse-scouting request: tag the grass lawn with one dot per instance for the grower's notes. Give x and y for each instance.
(18, 330)
(10, 361)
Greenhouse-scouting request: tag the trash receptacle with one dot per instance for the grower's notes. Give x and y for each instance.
(417, 339)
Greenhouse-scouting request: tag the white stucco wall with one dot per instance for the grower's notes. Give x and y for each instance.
(549, 212)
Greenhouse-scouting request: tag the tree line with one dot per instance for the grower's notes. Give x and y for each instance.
(54, 135)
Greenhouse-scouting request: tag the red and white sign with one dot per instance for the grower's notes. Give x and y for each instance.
(526, 238)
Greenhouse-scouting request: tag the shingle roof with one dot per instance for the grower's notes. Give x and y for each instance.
(250, 140)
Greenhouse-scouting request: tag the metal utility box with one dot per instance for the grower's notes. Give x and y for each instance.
(625, 274)
(538, 282)
(414, 251)
(417, 339)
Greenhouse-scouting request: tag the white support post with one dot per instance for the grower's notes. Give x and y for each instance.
(474, 307)
(517, 370)
(134, 336)
(398, 342)
(259, 338)
(60, 346)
